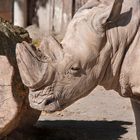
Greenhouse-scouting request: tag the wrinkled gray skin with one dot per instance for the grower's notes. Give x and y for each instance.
(101, 47)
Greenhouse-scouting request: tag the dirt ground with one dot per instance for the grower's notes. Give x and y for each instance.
(103, 115)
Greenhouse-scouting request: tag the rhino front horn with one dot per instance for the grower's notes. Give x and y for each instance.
(35, 70)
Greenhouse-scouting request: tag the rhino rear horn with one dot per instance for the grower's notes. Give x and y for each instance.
(51, 47)
(55, 48)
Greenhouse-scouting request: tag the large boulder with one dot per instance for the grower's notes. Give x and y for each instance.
(14, 106)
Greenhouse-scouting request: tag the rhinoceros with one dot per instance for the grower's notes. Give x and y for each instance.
(15, 111)
(100, 47)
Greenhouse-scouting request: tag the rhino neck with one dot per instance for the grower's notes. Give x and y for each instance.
(112, 58)
(120, 38)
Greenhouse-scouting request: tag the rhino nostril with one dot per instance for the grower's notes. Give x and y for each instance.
(49, 101)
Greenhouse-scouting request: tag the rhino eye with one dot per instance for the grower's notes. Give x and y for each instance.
(75, 70)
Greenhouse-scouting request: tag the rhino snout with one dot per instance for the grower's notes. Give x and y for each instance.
(44, 101)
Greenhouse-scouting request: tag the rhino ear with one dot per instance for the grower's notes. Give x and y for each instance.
(107, 15)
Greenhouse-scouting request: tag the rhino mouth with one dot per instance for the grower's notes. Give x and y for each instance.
(48, 104)
(49, 99)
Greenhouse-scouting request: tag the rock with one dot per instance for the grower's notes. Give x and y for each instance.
(15, 111)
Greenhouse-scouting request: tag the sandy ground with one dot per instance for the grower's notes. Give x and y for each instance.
(103, 115)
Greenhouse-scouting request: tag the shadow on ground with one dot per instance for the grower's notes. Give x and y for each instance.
(74, 130)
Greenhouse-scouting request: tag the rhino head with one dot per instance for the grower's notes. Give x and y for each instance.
(58, 74)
